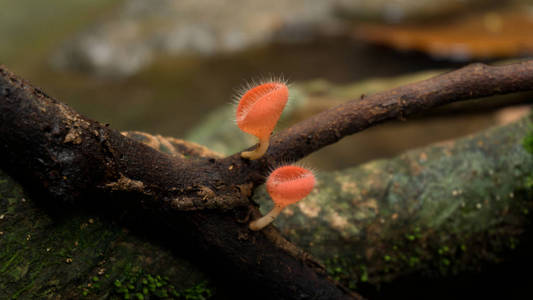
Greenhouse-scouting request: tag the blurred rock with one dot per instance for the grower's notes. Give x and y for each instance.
(137, 31)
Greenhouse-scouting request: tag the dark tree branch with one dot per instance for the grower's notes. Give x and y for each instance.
(52, 150)
(59, 156)
(470, 82)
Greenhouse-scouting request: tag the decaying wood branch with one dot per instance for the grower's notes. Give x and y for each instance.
(63, 157)
(473, 81)
(56, 152)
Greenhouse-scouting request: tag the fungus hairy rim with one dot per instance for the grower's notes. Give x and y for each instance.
(285, 185)
(258, 112)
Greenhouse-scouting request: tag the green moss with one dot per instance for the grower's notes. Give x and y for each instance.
(20, 291)
(528, 145)
(78, 256)
(138, 284)
(347, 270)
(528, 142)
(413, 261)
(198, 292)
(9, 262)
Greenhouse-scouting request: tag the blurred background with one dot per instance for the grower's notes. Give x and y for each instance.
(171, 67)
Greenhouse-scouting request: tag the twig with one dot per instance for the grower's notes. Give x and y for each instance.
(470, 82)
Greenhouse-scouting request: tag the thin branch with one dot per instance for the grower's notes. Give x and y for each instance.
(326, 128)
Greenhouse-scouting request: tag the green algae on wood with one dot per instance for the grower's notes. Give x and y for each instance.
(79, 256)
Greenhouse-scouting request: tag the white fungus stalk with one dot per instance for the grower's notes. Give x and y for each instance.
(266, 219)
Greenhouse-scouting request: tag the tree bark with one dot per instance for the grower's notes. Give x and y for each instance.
(83, 255)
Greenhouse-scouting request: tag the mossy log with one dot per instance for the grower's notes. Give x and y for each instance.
(437, 212)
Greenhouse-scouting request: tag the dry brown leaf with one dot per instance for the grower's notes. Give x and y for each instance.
(487, 35)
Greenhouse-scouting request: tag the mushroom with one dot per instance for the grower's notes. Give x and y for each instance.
(285, 185)
(258, 111)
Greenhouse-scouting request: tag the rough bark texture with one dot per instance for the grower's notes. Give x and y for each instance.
(444, 211)
(65, 158)
(46, 256)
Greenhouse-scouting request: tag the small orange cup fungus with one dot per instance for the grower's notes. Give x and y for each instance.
(258, 112)
(285, 185)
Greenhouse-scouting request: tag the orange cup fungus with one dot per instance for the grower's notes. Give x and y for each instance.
(285, 185)
(258, 111)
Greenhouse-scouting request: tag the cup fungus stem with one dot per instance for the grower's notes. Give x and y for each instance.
(258, 152)
(266, 219)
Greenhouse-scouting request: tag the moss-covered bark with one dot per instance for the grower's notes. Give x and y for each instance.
(80, 256)
(436, 212)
